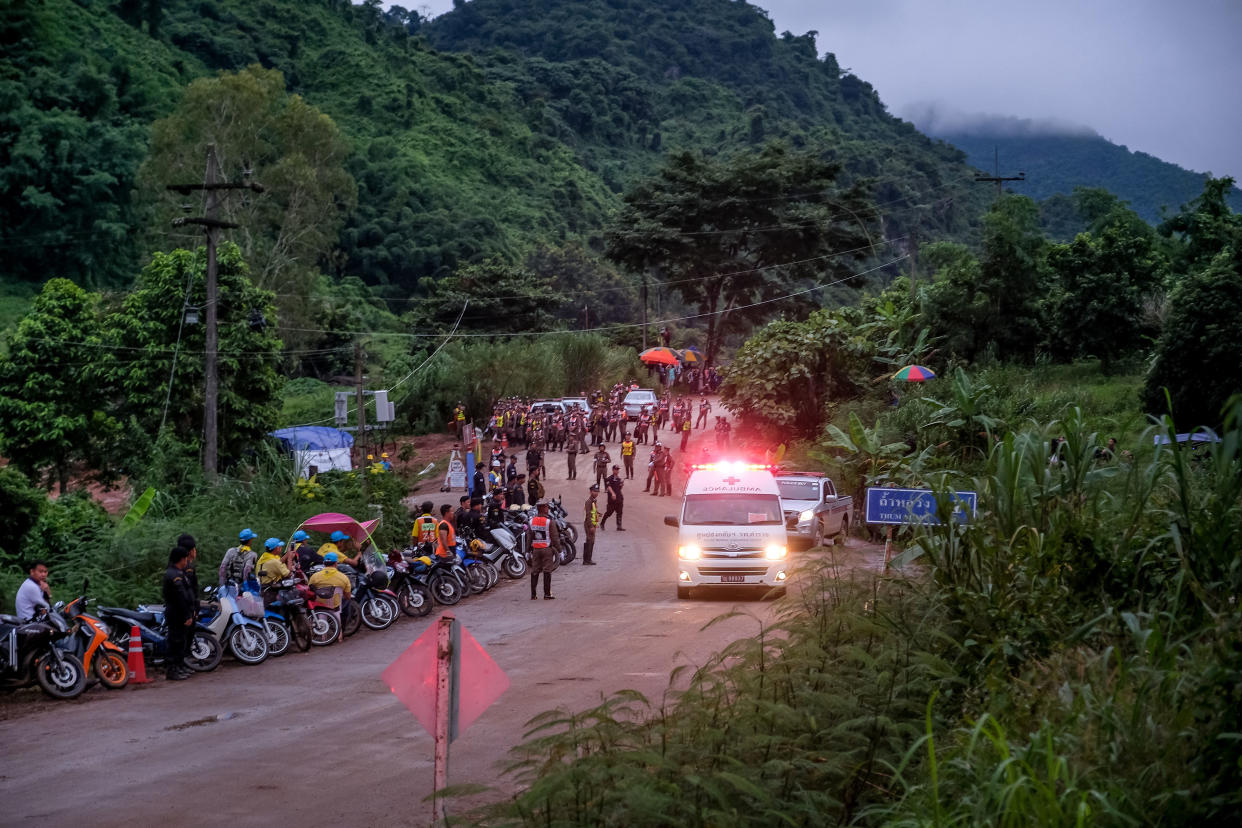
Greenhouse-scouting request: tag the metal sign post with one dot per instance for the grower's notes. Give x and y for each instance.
(448, 642)
(446, 679)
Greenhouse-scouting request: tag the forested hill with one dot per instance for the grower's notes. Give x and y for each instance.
(1057, 161)
(527, 141)
(623, 80)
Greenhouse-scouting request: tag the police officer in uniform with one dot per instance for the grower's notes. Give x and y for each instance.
(590, 520)
(627, 457)
(571, 454)
(543, 540)
(179, 608)
(616, 501)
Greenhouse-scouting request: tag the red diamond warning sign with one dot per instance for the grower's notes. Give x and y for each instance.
(475, 680)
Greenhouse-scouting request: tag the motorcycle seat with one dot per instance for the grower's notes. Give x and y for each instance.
(134, 615)
(10, 619)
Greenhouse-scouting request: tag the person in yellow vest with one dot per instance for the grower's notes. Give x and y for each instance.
(685, 433)
(459, 419)
(331, 580)
(590, 521)
(543, 541)
(627, 457)
(341, 544)
(274, 563)
(423, 535)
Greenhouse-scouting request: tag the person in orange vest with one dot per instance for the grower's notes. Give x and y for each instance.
(446, 534)
(627, 457)
(543, 541)
(590, 520)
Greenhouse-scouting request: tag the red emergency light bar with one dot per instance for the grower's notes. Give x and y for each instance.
(732, 467)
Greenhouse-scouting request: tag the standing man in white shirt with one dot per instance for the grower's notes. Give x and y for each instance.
(34, 592)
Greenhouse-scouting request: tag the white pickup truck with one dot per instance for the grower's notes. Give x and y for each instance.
(813, 509)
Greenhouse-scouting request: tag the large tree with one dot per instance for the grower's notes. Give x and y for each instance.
(164, 363)
(1102, 283)
(291, 148)
(725, 234)
(993, 303)
(52, 409)
(1199, 353)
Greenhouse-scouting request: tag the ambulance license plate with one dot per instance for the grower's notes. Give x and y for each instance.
(732, 579)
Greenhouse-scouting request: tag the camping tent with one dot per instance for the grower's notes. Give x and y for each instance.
(318, 446)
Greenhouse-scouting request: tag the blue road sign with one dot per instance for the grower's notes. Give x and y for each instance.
(902, 506)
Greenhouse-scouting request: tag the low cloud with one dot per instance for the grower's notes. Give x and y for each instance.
(938, 120)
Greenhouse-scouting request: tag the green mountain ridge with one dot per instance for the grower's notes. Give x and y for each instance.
(1056, 163)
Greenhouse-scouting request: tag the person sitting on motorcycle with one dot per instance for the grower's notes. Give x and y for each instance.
(274, 563)
(342, 544)
(306, 556)
(495, 510)
(34, 596)
(331, 577)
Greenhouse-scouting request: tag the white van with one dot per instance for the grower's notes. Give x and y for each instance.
(731, 529)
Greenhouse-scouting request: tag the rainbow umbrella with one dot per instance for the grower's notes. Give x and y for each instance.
(915, 373)
(660, 356)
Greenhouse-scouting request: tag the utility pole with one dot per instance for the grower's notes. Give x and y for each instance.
(361, 440)
(997, 177)
(644, 310)
(211, 393)
(914, 264)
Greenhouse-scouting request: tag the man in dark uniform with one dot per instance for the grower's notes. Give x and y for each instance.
(616, 501)
(178, 611)
(602, 459)
(590, 520)
(543, 541)
(571, 454)
(479, 484)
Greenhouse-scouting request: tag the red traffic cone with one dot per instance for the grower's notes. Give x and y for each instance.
(137, 666)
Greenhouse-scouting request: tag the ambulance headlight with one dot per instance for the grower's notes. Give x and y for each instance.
(775, 553)
(689, 552)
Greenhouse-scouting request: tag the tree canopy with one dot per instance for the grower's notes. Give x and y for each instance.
(725, 235)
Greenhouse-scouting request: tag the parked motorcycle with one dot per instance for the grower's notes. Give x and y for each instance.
(29, 655)
(288, 605)
(243, 635)
(203, 653)
(89, 641)
(413, 596)
(378, 606)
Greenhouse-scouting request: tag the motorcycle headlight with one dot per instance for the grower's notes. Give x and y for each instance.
(689, 552)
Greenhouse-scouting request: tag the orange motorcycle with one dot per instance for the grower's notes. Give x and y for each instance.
(89, 641)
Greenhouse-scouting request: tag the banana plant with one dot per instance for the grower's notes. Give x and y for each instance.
(963, 414)
(865, 457)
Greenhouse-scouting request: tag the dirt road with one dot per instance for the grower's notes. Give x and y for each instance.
(317, 739)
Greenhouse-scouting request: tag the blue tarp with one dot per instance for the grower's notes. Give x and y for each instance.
(1196, 437)
(313, 438)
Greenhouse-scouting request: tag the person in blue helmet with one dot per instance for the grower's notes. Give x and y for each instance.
(239, 562)
(274, 563)
(303, 553)
(344, 547)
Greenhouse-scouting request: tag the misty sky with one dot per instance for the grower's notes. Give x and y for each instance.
(1161, 76)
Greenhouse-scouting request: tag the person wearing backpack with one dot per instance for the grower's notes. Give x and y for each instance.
(240, 560)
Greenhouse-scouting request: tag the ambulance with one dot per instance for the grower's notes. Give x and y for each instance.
(731, 529)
